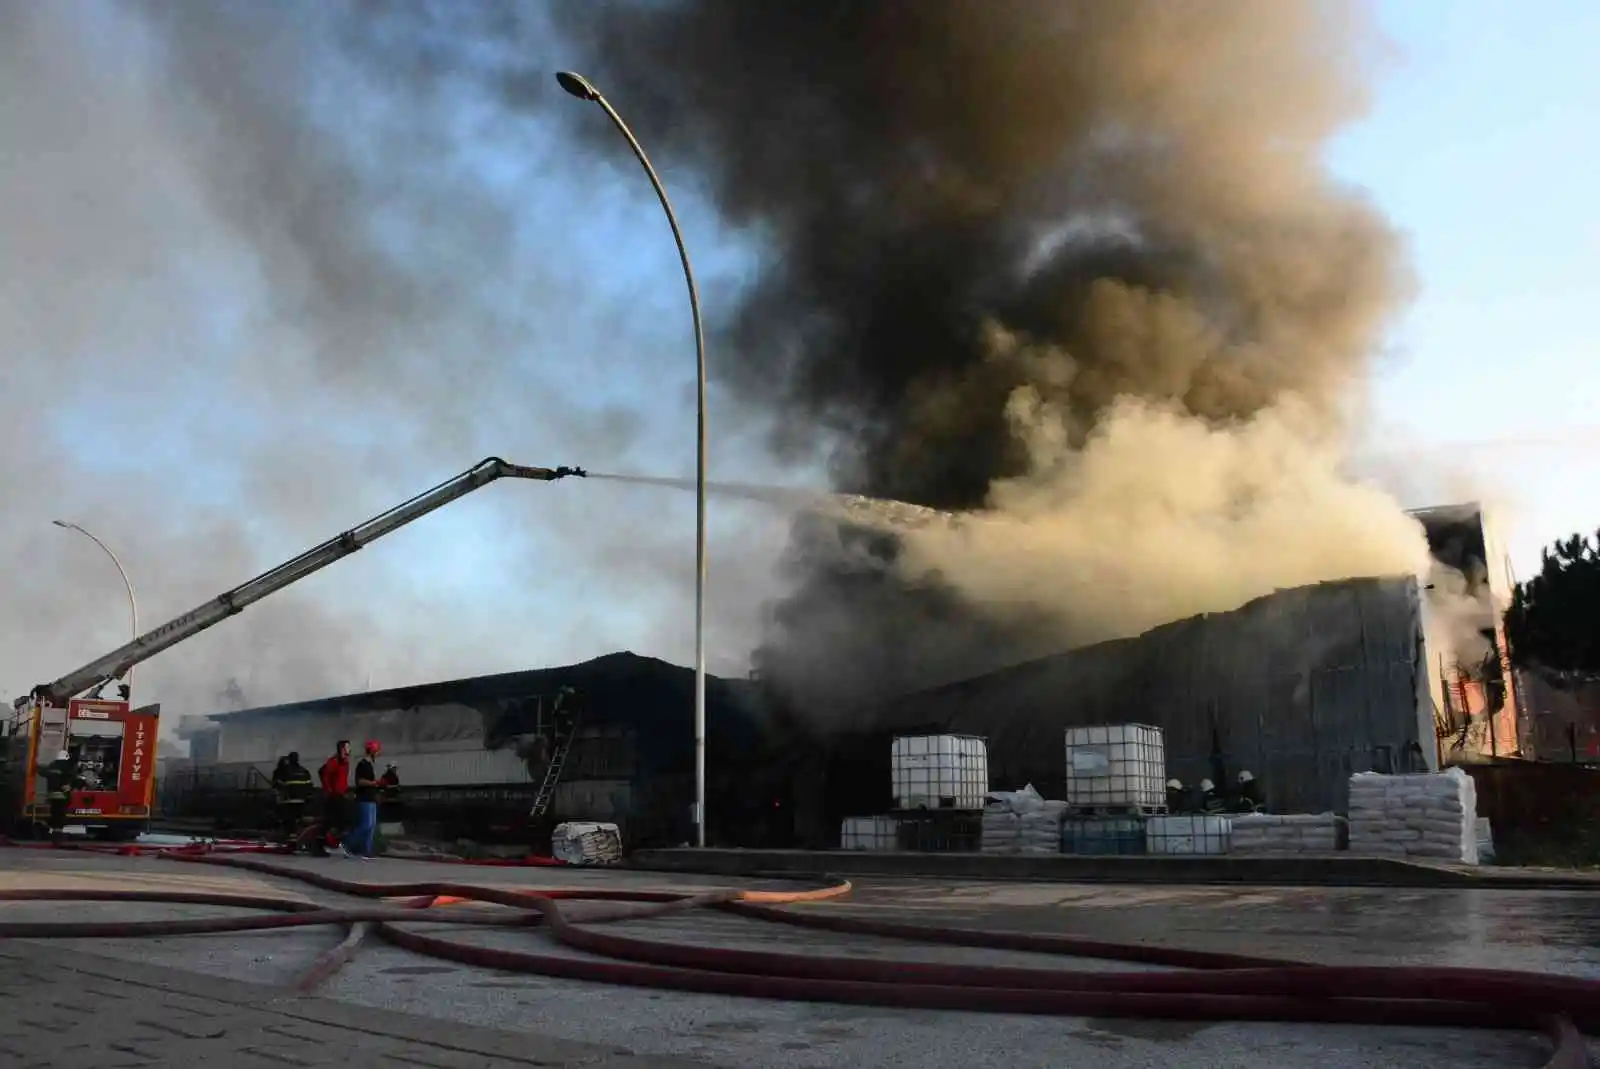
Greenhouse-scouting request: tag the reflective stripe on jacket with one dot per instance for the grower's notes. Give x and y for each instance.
(295, 787)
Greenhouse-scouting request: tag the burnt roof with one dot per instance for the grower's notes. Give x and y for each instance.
(611, 674)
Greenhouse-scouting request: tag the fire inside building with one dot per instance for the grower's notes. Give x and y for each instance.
(1302, 687)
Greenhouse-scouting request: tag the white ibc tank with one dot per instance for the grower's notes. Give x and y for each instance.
(1116, 766)
(1187, 835)
(869, 833)
(939, 772)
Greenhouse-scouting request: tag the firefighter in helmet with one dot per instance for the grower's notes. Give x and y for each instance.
(1249, 799)
(61, 778)
(292, 786)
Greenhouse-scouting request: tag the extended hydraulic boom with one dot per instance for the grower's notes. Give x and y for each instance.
(116, 663)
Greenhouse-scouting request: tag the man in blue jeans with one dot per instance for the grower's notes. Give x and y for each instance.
(359, 843)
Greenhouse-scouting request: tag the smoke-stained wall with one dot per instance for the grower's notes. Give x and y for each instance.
(1303, 688)
(481, 739)
(443, 728)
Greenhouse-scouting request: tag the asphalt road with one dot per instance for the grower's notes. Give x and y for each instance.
(1551, 931)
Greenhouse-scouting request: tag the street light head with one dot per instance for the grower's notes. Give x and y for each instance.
(61, 523)
(577, 85)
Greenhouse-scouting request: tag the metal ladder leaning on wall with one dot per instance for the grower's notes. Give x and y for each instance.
(566, 716)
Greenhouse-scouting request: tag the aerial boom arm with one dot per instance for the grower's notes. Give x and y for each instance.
(147, 645)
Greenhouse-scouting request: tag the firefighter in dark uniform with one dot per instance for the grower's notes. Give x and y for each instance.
(277, 788)
(60, 777)
(1249, 799)
(389, 796)
(292, 782)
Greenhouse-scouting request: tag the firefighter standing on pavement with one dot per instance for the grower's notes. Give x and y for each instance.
(277, 788)
(293, 785)
(60, 778)
(389, 795)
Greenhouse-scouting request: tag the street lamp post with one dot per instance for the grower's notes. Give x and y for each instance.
(583, 89)
(133, 602)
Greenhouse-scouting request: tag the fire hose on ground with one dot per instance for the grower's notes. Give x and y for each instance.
(1210, 987)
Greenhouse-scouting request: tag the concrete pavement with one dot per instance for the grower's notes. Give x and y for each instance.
(69, 1010)
(1548, 931)
(1310, 870)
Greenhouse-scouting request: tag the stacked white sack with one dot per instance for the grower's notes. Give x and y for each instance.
(1040, 831)
(1290, 833)
(1001, 830)
(1022, 822)
(1431, 815)
(587, 843)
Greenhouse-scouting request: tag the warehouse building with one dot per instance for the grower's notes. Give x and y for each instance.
(1302, 687)
(471, 753)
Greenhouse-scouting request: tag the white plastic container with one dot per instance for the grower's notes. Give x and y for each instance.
(939, 772)
(869, 833)
(1187, 835)
(1116, 766)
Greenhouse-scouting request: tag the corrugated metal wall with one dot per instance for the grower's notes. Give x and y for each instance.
(642, 696)
(1303, 688)
(459, 768)
(448, 726)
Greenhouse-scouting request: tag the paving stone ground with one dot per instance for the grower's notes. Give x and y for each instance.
(69, 1010)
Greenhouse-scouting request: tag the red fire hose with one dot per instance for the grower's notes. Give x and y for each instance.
(1214, 987)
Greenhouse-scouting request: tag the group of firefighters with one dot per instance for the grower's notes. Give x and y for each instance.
(1247, 798)
(348, 823)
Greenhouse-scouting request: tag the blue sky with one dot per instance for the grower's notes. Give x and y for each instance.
(1479, 146)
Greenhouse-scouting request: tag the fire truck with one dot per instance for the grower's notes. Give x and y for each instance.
(112, 743)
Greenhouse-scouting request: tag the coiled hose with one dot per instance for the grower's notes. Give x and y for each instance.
(1212, 987)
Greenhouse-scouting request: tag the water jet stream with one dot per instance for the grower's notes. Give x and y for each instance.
(853, 508)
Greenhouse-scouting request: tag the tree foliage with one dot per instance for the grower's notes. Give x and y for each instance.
(1554, 619)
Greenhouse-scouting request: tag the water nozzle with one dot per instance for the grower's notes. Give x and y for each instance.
(563, 472)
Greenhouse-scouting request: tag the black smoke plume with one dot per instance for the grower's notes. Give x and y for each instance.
(1016, 253)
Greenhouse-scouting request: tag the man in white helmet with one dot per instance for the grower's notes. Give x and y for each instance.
(1250, 800)
(1176, 802)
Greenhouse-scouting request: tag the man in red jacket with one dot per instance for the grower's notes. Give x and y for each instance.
(335, 775)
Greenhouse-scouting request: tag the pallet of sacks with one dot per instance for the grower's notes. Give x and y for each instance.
(587, 842)
(1287, 833)
(1430, 816)
(1022, 822)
